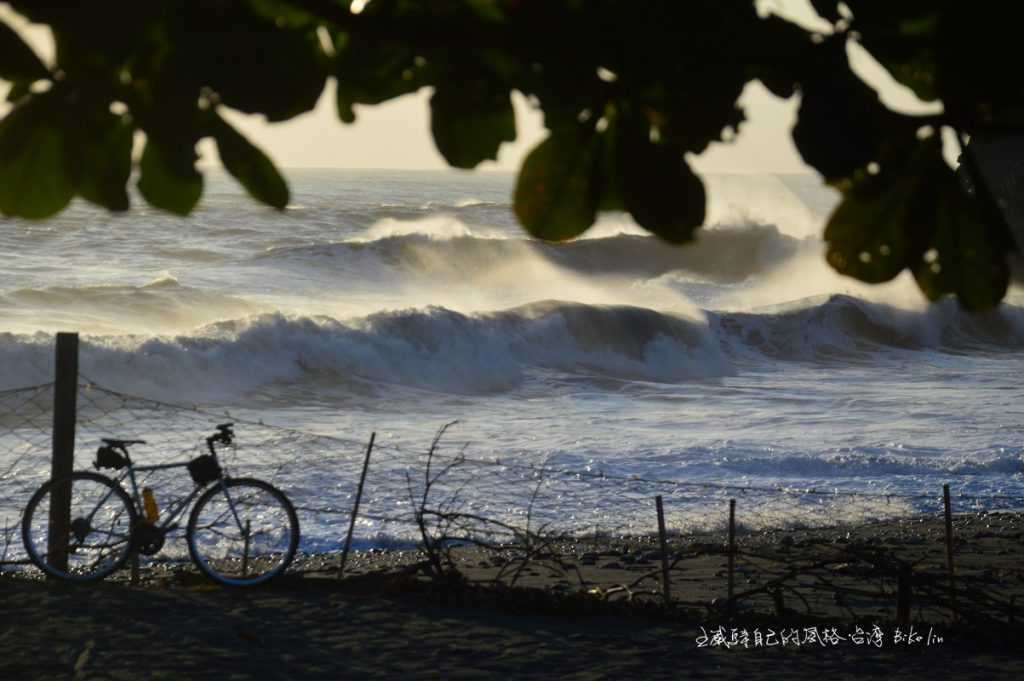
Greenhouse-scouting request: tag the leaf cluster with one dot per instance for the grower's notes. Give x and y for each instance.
(630, 91)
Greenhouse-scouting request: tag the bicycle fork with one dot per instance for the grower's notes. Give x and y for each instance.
(244, 529)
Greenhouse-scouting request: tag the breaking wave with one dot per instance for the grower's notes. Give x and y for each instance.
(442, 350)
(724, 255)
(432, 349)
(159, 306)
(844, 328)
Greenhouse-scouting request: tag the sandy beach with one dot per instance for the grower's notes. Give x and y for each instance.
(387, 620)
(319, 630)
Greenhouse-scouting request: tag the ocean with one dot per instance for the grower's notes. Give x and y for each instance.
(396, 302)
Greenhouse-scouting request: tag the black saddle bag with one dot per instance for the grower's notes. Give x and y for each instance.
(108, 457)
(204, 469)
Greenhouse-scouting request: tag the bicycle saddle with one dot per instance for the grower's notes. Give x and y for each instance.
(121, 443)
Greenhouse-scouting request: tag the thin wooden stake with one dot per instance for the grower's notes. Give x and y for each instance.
(903, 596)
(732, 551)
(6, 543)
(245, 556)
(355, 507)
(65, 403)
(949, 550)
(666, 587)
(779, 600)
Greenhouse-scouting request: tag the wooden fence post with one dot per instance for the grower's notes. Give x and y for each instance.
(949, 550)
(732, 552)
(65, 404)
(666, 587)
(355, 507)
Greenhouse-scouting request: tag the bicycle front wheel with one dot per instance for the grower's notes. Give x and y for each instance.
(99, 538)
(243, 532)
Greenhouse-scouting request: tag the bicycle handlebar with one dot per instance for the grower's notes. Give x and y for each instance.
(224, 435)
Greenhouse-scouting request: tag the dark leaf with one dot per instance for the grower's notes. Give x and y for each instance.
(346, 114)
(18, 63)
(915, 70)
(781, 50)
(34, 178)
(487, 10)
(991, 170)
(559, 186)
(916, 214)
(17, 91)
(168, 179)
(102, 155)
(470, 123)
(963, 255)
(250, 166)
(977, 56)
(611, 191)
(872, 235)
(285, 13)
(658, 188)
(827, 10)
(840, 125)
(91, 46)
(253, 64)
(371, 71)
(696, 123)
(903, 37)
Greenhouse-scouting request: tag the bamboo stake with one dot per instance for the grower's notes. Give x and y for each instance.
(666, 587)
(732, 552)
(355, 507)
(903, 596)
(949, 550)
(245, 554)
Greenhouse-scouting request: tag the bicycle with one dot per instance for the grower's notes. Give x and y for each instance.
(241, 531)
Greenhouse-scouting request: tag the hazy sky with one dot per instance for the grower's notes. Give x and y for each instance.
(397, 134)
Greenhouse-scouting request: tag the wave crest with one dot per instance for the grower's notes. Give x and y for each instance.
(722, 255)
(433, 349)
(845, 328)
(544, 343)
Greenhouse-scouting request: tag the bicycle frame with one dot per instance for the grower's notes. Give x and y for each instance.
(178, 506)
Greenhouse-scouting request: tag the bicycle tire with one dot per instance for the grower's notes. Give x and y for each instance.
(226, 506)
(121, 512)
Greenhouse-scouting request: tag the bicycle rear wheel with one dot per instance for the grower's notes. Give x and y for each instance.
(242, 532)
(99, 539)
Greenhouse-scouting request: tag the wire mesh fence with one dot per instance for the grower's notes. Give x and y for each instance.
(536, 523)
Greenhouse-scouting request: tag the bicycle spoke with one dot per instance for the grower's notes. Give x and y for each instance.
(99, 537)
(243, 532)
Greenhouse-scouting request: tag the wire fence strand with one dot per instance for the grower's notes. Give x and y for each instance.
(500, 503)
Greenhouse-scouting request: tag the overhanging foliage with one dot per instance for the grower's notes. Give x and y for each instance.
(627, 89)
